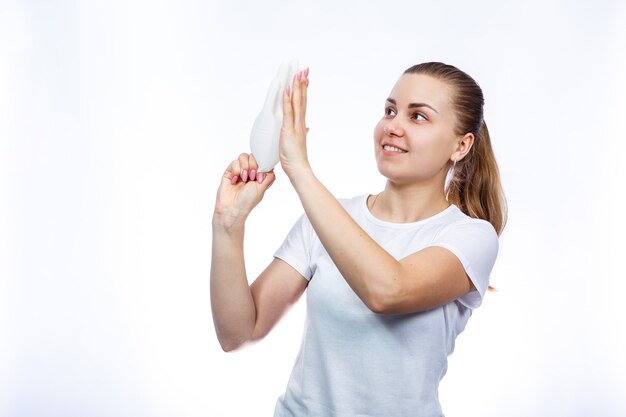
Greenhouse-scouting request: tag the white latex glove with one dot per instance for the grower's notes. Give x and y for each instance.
(266, 129)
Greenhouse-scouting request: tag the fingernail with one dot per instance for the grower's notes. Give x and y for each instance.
(288, 90)
(306, 72)
(244, 175)
(234, 179)
(300, 76)
(260, 177)
(252, 174)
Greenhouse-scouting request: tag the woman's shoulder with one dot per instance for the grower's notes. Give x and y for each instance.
(462, 224)
(352, 203)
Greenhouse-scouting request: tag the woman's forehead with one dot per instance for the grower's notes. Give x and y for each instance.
(420, 88)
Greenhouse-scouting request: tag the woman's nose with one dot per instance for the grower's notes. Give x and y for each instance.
(393, 129)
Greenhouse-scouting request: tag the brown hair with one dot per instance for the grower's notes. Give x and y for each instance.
(474, 185)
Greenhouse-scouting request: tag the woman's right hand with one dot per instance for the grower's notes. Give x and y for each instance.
(240, 190)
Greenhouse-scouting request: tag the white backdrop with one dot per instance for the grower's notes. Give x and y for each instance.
(117, 119)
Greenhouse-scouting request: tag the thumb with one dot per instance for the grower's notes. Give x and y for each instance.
(268, 180)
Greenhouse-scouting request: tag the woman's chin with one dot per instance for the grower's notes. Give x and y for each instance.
(392, 175)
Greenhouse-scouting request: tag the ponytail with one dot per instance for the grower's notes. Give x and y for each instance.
(475, 186)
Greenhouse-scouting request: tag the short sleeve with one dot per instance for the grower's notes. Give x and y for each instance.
(475, 243)
(296, 248)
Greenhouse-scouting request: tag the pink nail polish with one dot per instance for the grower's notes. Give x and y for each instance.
(288, 91)
(260, 177)
(234, 179)
(244, 175)
(252, 175)
(300, 76)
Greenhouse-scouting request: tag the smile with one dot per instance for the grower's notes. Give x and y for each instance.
(393, 149)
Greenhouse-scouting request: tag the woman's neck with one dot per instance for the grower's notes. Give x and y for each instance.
(407, 204)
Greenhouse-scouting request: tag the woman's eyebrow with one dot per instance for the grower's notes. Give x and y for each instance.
(413, 105)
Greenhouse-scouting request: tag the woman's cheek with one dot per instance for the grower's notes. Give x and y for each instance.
(378, 132)
(378, 135)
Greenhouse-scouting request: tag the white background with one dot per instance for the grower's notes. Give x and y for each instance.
(117, 119)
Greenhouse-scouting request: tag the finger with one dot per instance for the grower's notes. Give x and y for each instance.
(261, 176)
(300, 102)
(253, 166)
(305, 89)
(287, 109)
(272, 178)
(243, 163)
(268, 180)
(297, 100)
(233, 171)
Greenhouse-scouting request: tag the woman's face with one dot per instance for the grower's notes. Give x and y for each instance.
(415, 138)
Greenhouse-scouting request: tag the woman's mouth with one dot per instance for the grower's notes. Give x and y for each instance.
(390, 148)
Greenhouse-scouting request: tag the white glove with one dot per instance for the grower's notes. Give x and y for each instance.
(266, 129)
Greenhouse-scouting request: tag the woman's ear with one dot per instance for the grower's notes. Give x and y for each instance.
(463, 146)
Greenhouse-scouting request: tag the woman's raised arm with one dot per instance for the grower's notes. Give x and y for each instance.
(242, 312)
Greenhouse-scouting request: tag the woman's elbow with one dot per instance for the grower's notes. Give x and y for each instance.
(230, 345)
(382, 305)
(376, 307)
(234, 344)
(384, 300)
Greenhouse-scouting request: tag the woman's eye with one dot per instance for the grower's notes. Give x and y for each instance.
(389, 111)
(419, 117)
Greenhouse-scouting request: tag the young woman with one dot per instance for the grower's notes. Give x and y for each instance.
(392, 278)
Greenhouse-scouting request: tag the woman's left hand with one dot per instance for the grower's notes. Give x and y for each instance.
(292, 143)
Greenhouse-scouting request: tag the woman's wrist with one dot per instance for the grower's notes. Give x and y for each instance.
(228, 222)
(299, 177)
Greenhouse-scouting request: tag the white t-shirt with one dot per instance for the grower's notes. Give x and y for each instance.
(356, 363)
